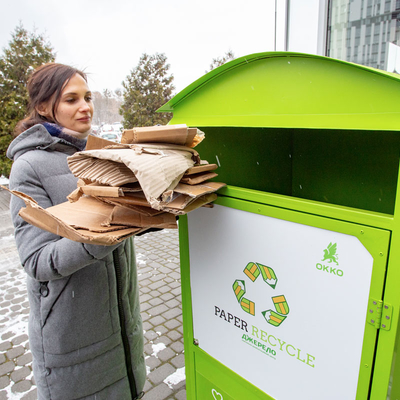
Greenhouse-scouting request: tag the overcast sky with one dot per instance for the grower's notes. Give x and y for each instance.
(107, 37)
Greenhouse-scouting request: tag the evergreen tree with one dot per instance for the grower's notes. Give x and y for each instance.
(217, 62)
(26, 52)
(145, 90)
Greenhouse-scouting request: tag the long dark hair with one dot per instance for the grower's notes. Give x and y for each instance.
(44, 87)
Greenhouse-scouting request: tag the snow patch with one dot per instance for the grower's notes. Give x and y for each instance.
(175, 378)
(4, 180)
(157, 348)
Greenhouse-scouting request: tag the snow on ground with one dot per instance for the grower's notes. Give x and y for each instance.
(175, 378)
(3, 180)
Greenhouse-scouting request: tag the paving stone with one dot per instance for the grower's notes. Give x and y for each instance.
(153, 362)
(164, 289)
(6, 368)
(15, 352)
(147, 387)
(172, 324)
(147, 326)
(158, 320)
(159, 392)
(160, 330)
(145, 306)
(177, 347)
(19, 339)
(4, 381)
(172, 303)
(156, 285)
(3, 395)
(178, 361)
(2, 358)
(145, 297)
(156, 301)
(158, 277)
(166, 354)
(163, 339)
(19, 374)
(181, 395)
(172, 313)
(25, 359)
(32, 395)
(7, 335)
(21, 386)
(159, 374)
(174, 335)
(160, 309)
(150, 335)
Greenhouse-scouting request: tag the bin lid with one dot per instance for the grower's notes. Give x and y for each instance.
(290, 90)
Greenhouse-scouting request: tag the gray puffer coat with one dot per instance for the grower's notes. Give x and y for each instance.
(85, 329)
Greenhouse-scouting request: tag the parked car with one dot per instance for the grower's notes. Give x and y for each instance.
(106, 128)
(110, 136)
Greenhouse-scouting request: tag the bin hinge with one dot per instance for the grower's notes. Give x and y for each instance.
(379, 314)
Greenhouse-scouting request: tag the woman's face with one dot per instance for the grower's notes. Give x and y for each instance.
(75, 108)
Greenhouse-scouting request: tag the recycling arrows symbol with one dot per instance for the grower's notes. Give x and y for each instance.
(253, 271)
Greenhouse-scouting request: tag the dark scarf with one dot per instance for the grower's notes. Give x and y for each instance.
(62, 133)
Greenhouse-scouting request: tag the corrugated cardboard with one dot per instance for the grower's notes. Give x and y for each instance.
(54, 222)
(120, 215)
(158, 168)
(198, 178)
(201, 168)
(199, 202)
(177, 134)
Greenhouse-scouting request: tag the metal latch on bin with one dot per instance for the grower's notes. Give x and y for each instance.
(379, 314)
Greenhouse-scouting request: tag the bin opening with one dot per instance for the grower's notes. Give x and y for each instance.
(353, 168)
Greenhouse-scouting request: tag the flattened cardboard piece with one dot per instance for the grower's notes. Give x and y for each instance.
(157, 168)
(200, 189)
(102, 172)
(95, 142)
(201, 168)
(41, 218)
(198, 178)
(121, 215)
(137, 199)
(183, 194)
(92, 190)
(86, 213)
(176, 134)
(197, 203)
(144, 210)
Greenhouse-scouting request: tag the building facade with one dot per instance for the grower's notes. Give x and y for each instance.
(365, 32)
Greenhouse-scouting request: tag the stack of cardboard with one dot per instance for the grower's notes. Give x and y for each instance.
(124, 189)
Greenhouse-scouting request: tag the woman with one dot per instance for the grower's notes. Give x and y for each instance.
(85, 329)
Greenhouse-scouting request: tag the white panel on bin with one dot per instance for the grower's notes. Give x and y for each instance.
(320, 282)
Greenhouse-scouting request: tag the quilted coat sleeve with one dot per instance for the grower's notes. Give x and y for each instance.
(43, 255)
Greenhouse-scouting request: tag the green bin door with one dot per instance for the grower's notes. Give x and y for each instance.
(281, 298)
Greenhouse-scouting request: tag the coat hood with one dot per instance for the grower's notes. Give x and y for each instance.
(37, 137)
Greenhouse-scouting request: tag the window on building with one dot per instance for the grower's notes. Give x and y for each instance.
(359, 30)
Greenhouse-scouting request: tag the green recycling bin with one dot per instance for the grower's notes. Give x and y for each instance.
(290, 283)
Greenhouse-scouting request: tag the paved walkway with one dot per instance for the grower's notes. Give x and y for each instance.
(158, 268)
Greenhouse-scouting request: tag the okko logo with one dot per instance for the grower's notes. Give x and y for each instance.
(253, 271)
(331, 257)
